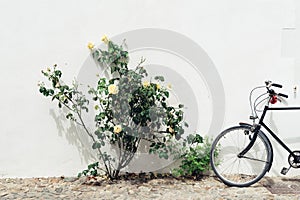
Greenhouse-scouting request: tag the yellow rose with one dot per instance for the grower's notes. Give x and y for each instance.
(117, 129)
(90, 45)
(113, 89)
(158, 86)
(57, 85)
(146, 83)
(171, 130)
(105, 39)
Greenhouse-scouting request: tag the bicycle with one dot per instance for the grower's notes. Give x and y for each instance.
(241, 155)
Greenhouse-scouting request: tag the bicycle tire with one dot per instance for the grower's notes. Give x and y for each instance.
(245, 171)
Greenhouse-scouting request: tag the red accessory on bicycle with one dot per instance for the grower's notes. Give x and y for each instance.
(273, 99)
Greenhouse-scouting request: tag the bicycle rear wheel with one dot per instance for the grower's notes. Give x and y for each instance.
(244, 171)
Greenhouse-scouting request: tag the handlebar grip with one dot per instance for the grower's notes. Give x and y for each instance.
(276, 85)
(283, 95)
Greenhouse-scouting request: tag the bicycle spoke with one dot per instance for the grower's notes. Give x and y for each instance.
(255, 159)
(244, 170)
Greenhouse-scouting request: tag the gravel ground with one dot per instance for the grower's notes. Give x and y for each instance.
(158, 188)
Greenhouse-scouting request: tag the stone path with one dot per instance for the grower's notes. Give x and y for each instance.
(166, 188)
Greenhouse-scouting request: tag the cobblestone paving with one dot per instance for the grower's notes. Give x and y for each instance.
(167, 188)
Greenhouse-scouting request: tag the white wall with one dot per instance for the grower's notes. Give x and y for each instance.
(244, 39)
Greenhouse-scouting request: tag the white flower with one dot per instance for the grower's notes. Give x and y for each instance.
(113, 89)
(117, 129)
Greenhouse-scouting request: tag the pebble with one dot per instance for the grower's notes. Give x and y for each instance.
(59, 190)
(165, 188)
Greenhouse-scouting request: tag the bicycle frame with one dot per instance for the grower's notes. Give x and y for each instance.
(246, 153)
(261, 123)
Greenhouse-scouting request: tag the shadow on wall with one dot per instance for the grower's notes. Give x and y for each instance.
(75, 135)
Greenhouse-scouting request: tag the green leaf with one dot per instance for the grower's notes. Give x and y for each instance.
(69, 116)
(94, 173)
(152, 144)
(96, 145)
(57, 73)
(197, 139)
(85, 172)
(42, 90)
(166, 93)
(160, 78)
(186, 124)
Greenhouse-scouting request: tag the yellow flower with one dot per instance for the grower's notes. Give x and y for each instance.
(105, 39)
(90, 45)
(171, 130)
(146, 83)
(169, 86)
(158, 86)
(48, 69)
(117, 129)
(57, 85)
(113, 89)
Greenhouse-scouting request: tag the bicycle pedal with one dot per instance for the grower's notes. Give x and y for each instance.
(285, 170)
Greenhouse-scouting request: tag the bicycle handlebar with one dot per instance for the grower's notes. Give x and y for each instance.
(283, 95)
(276, 85)
(268, 97)
(272, 92)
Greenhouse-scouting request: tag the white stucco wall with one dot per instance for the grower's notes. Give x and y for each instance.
(248, 42)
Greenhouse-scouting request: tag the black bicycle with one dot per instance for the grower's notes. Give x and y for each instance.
(241, 155)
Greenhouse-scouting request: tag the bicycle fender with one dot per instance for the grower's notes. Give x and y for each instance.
(244, 124)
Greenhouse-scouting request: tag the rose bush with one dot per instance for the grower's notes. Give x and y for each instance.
(130, 108)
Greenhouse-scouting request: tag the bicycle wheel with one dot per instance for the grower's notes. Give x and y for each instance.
(244, 171)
